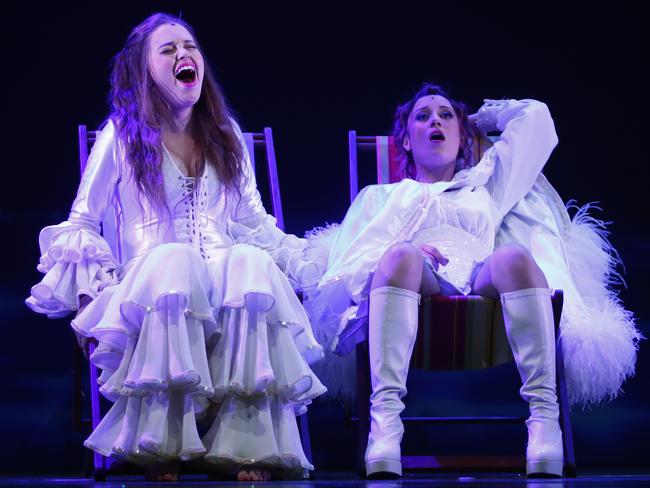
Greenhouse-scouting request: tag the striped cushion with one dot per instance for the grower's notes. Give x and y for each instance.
(460, 332)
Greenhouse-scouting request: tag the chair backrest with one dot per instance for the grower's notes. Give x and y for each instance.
(388, 166)
(263, 140)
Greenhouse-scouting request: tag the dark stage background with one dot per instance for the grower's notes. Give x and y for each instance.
(312, 72)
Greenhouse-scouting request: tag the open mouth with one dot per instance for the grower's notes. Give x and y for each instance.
(437, 136)
(186, 74)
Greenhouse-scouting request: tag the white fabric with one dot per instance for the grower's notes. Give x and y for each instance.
(474, 201)
(392, 329)
(599, 336)
(193, 319)
(528, 318)
(503, 199)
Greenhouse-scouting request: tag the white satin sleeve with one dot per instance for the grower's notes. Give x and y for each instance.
(75, 258)
(249, 223)
(527, 140)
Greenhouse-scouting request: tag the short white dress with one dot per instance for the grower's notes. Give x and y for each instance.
(460, 217)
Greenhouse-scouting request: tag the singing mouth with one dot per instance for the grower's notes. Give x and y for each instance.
(185, 73)
(437, 136)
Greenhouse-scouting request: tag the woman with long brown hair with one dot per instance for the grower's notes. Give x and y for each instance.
(188, 293)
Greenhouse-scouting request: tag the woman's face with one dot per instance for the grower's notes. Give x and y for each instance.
(433, 133)
(176, 65)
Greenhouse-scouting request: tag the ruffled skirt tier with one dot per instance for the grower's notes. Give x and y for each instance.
(182, 339)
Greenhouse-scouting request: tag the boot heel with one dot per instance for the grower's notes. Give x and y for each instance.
(544, 468)
(383, 468)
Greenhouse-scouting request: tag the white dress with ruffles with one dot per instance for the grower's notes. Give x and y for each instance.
(195, 316)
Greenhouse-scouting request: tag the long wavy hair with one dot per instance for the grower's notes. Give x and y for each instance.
(139, 110)
(468, 134)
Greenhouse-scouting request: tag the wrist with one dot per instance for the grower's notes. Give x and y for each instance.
(486, 117)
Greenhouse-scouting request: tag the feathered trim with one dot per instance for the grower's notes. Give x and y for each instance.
(600, 338)
(336, 372)
(599, 344)
(319, 243)
(599, 335)
(593, 259)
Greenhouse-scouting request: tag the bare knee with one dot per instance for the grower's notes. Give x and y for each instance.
(512, 259)
(401, 258)
(512, 267)
(400, 266)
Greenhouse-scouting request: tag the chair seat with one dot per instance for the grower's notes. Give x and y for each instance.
(459, 333)
(454, 333)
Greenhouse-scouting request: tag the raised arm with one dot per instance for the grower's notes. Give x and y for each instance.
(527, 139)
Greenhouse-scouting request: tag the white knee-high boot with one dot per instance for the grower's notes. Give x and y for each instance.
(393, 323)
(528, 316)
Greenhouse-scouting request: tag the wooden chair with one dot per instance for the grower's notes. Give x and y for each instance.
(256, 143)
(454, 333)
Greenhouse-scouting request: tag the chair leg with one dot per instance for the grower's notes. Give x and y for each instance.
(99, 461)
(304, 436)
(363, 402)
(99, 475)
(363, 393)
(562, 395)
(565, 417)
(77, 387)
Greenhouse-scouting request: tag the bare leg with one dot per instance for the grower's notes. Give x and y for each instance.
(509, 268)
(392, 328)
(430, 285)
(512, 275)
(403, 266)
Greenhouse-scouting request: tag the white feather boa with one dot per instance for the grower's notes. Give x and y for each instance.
(599, 336)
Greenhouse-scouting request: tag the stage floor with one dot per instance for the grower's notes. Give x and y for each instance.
(326, 479)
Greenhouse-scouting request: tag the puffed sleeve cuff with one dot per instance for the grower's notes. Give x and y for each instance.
(494, 115)
(486, 117)
(287, 250)
(76, 261)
